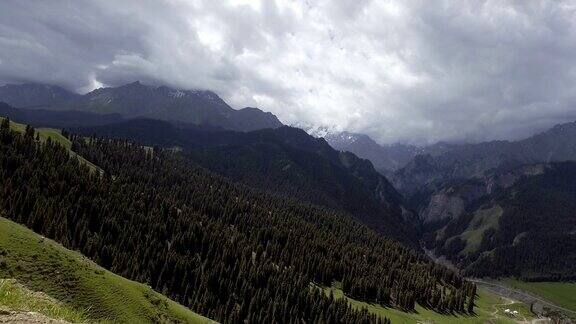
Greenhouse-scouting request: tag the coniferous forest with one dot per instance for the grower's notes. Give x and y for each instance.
(227, 251)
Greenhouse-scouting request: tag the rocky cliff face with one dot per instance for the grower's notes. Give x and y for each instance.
(449, 201)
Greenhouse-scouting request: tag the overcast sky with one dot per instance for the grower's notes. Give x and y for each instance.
(400, 71)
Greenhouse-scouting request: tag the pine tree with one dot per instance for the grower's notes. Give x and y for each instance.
(470, 308)
(5, 124)
(29, 132)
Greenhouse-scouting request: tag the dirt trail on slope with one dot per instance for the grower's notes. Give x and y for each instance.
(21, 317)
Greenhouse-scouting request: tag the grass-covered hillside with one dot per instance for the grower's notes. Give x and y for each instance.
(42, 276)
(19, 303)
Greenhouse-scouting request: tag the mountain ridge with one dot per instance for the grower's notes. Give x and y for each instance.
(201, 107)
(30, 95)
(473, 160)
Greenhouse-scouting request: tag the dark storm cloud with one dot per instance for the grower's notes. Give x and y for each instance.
(415, 71)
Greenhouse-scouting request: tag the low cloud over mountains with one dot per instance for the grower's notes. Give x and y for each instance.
(399, 71)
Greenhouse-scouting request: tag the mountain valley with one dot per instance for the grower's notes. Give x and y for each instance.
(483, 207)
(288, 162)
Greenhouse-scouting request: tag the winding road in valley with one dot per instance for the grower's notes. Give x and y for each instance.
(507, 292)
(520, 295)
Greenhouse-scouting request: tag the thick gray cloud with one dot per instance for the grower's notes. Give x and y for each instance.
(398, 70)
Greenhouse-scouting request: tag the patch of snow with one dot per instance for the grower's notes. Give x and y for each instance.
(317, 131)
(105, 98)
(177, 93)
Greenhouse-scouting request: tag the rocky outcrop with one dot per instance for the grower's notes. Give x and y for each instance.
(443, 206)
(451, 200)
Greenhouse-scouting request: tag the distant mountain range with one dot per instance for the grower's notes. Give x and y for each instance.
(427, 172)
(386, 158)
(417, 170)
(138, 100)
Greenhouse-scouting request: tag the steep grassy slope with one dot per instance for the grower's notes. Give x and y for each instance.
(560, 293)
(84, 288)
(489, 309)
(17, 302)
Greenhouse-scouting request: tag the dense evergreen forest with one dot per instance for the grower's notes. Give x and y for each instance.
(286, 161)
(229, 252)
